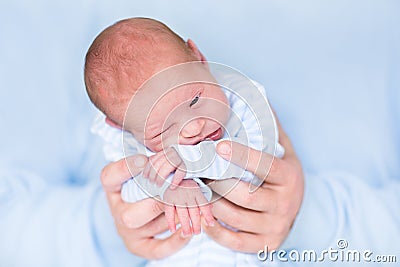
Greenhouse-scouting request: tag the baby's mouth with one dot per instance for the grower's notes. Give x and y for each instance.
(216, 135)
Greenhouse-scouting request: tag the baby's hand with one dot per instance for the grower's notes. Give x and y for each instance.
(188, 201)
(162, 164)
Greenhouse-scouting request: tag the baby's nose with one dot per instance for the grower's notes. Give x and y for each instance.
(193, 128)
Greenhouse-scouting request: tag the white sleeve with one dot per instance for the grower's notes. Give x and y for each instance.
(202, 160)
(254, 124)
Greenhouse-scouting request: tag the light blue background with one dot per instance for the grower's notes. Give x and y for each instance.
(331, 70)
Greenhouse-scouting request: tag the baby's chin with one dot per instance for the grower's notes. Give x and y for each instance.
(216, 135)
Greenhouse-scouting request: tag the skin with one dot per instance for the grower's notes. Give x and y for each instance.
(262, 218)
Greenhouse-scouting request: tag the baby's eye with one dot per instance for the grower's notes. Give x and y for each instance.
(195, 100)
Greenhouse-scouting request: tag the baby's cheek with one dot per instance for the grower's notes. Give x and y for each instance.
(223, 114)
(171, 137)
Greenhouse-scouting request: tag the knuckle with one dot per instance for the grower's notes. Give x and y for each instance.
(104, 176)
(156, 256)
(274, 207)
(279, 229)
(298, 175)
(295, 171)
(285, 208)
(154, 228)
(274, 244)
(120, 231)
(152, 160)
(236, 219)
(275, 165)
(249, 199)
(157, 207)
(243, 155)
(131, 247)
(139, 250)
(127, 220)
(237, 243)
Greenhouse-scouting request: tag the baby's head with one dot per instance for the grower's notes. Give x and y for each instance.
(167, 109)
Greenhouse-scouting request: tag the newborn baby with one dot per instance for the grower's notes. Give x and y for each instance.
(160, 91)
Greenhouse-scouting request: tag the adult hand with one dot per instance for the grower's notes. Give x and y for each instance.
(265, 216)
(137, 223)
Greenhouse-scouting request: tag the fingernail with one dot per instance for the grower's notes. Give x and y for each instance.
(207, 223)
(224, 148)
(183, 235)
(139, 161)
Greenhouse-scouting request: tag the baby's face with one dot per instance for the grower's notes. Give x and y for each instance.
(187, 114)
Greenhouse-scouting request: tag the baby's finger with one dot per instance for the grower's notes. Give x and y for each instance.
(170, 216)
(152, 174)
(155, 162)
(207, 214)
(178, 177)
(173, 157)
(163, 173)
(146, 170)
(194, 214)
(184, 219)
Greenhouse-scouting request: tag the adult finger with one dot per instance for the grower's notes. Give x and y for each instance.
(238, 241)
(184, 220)
(263, 199)
(116, 173)
(194, 214)
(170, 216)
(152, 228)
(255, 222)
(135, 215)
(284, 139)
(255, 161)
(152, 248)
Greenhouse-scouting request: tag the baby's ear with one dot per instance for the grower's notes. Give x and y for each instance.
(112, 123)
(192, 46)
